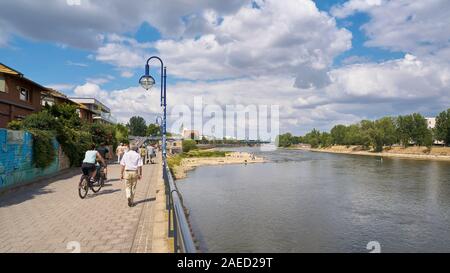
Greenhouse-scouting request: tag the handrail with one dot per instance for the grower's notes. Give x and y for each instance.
(183, 238)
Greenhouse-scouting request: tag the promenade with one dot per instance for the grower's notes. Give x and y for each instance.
(49, 216)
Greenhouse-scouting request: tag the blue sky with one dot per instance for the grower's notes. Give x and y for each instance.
(324, 62)
(50, 63)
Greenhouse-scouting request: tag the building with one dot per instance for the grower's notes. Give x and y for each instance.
(191, 134)
(101, 113)
(52, 97)
(19, 96)
(174, 145)
(431, 122)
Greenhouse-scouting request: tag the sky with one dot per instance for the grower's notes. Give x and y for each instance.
(323, 62)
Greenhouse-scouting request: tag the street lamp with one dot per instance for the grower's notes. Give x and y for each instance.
(159, 122)
(147, 82)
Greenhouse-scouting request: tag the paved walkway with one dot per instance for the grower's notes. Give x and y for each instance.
(50, 217)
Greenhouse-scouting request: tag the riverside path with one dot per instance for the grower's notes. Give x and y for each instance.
(49, 216)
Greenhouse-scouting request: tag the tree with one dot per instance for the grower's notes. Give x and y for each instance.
(66, 113)
(121, 133)
(137, 126)
(189, 145)
(353, 135)
(421, 135)
(284, 140)
(313, 138)
(442, 129)
(386, 127)
(153, 130)
(103, 133)
(338, 134)
(404, 126)
(326, 140)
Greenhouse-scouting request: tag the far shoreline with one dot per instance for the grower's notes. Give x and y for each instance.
(396, 153)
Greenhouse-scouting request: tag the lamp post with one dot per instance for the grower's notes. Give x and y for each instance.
(159, 122)
(147, 82)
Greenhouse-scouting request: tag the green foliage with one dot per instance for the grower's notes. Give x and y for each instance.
(313, 138)
(43, 150)
(442, 129)
(189, 145)
(137, 126)
(383, 132)
(121, 133)
(103, 133)
(15, 125)
(66, 113)
(63, 122)
(42, 121)
(284, 140)
(338, 133)
(153, 130)
(413, 128)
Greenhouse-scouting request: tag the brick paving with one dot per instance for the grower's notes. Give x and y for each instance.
(49, 217)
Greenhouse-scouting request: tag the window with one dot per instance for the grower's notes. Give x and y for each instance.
(24, 94)
(2, 84)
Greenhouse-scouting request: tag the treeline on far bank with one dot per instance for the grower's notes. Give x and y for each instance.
(387, 131)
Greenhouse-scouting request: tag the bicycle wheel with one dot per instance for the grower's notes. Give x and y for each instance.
(97, 185)
(83, 187)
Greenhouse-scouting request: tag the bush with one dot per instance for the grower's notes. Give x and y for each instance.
(102, 133)
(15, 125)
(74, 143)
(189, 145)
(41, 121)
(43, 150)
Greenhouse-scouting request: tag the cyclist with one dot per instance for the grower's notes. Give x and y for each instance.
(104, 152)
(89, 163)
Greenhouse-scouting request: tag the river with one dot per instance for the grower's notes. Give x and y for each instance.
(317, 202)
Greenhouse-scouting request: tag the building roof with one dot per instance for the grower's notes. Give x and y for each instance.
(94, 101)
(8, 70)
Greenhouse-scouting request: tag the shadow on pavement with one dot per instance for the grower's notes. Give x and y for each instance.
(29, 191)
(153, 199)
(104, 192)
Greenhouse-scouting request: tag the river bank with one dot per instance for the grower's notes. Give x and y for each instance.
(420, 153)
(181, 169)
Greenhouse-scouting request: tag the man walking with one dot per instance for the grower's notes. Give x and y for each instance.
(150, 153)
(131, 170)
(120, 151)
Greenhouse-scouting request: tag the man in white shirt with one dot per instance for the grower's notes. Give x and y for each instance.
(131, 170)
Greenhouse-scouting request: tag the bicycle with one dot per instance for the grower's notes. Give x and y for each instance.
(96, 185)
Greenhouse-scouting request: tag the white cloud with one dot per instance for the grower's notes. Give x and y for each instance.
(280, 37)
(90, 90)
(417, 27)
(53, 20)
(127, 74)
(352, 6)
(100, 80)
(70, 63)
(122, 52)
(61, 87)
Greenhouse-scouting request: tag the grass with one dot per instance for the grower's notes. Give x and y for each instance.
(174, 161)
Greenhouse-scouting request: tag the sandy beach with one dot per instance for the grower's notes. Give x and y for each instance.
(419, 153)
(188, 164)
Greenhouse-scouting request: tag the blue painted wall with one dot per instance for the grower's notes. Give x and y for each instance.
(16, 159)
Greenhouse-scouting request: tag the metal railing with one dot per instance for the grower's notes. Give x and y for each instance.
(179, 227)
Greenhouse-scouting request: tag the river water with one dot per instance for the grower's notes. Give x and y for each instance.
(316, 202)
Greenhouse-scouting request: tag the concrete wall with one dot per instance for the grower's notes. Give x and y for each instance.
(16, 160)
